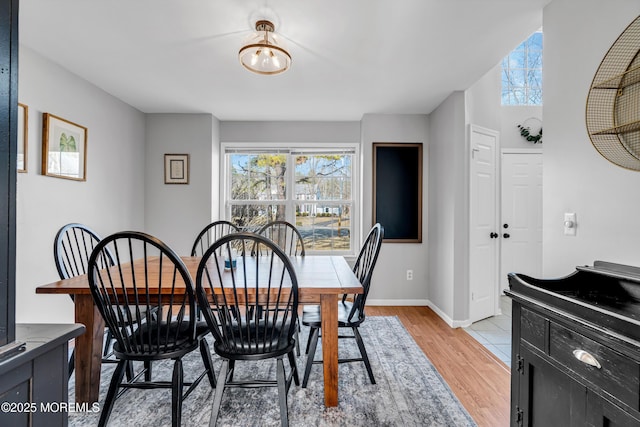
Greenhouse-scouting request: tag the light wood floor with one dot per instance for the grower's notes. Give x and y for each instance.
(479, 379)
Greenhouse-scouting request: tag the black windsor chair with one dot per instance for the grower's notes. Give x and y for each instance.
(72, 247)
(170, 333)
(289, 239)
(350, 309)
(285, 235)
(210, 234)
(229, 301)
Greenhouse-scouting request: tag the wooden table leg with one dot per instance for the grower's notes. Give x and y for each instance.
(329, 313)
(88, 349)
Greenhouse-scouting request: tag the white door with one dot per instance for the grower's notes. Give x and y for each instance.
(521, 216)
(483, 247)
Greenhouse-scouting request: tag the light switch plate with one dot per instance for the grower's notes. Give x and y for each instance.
(570, 224)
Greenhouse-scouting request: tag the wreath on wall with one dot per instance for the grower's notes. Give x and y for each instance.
(525, 132)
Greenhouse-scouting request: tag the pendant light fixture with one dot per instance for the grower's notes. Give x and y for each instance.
(263, 52)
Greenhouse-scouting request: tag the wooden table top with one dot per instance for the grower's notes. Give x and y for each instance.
(316, 275)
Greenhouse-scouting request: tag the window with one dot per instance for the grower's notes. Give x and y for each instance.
(313, 188)
(522, 73)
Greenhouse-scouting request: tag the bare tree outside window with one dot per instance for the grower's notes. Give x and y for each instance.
(309, 189)
(522, 73)
(323, 200)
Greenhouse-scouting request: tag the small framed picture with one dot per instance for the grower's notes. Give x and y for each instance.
(176, 168)
(23, 137)
(64, 148)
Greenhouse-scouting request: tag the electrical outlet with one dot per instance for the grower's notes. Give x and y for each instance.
(409, 274)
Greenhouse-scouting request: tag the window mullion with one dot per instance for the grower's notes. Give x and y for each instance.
(290, 180)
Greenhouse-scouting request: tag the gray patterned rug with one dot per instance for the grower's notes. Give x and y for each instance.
(409, 391)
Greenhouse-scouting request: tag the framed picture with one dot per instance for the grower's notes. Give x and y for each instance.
(23, 137)
(397, 191)
(64, 148)
(176, 168)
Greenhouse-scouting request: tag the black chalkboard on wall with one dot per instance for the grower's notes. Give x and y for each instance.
(397, 190)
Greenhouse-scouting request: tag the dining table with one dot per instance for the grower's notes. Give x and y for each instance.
(321, 280)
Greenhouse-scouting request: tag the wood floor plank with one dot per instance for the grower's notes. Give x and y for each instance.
(478, 378)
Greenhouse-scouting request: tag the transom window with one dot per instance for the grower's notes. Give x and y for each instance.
(522, 73)
(313, 188)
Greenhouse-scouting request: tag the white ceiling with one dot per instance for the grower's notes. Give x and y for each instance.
(350, 57)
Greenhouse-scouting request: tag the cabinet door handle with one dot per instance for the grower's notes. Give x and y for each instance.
(587, 358)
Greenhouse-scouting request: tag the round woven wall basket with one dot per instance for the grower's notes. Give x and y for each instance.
(613, 103)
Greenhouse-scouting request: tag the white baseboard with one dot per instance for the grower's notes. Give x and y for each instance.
(449, 321)
(399, 302)
(421, 303)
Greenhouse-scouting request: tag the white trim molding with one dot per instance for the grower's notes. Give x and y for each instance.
(449, 321)
(421, 303)
(399, 302)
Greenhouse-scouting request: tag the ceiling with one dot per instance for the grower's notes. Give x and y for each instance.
(350, 57)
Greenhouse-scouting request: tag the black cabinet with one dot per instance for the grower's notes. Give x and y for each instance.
(602, 413)
(571, 367)
(543, 394)
(547, 396)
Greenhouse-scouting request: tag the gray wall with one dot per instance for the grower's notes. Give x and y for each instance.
(389, 283)
(483, 100)
(293, 132)
(448, 222)
(111, 199)
(577, 35)
(449, 186)
(175, 213)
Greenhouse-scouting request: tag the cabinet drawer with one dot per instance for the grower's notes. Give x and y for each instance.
(532, 328)
(617, 375)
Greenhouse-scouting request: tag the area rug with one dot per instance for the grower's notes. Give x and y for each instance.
(408, 391)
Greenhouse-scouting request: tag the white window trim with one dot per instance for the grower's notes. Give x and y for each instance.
(356, 214)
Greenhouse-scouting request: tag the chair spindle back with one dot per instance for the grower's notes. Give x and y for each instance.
(285, 235)
(210, 234)
(252, 309)
(363, 268)
(72, 247)
(128, 297)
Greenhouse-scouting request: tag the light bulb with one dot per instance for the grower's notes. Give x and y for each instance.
(254, 58)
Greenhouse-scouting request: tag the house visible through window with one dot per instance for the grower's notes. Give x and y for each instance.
(313, 188)
(522, 73)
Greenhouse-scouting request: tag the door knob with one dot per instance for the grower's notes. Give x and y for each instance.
(506, 235)
(505, 225)
(494, 235)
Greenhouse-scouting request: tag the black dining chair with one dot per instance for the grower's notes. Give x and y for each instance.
(210, 234)
(285, 235)
(229, 301)
(72, 247)
(170, 332)
(289, 239)
(350, 308)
